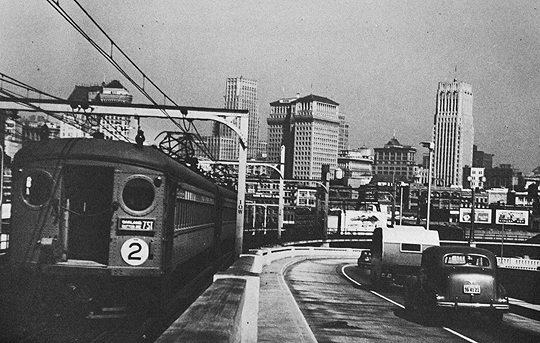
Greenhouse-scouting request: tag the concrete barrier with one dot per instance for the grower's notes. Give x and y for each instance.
(228, 310)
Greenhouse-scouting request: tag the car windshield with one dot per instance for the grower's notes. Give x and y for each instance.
(466, 259)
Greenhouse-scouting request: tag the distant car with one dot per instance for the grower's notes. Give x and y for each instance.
(364, 261)
(458, 278)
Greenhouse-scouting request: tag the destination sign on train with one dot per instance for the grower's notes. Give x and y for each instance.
(136, 225)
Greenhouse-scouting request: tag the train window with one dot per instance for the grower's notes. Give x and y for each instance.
(37, 188)
(138, 194)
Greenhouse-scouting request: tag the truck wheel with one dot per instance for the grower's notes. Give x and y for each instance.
(407, 299)
(375, 277)
(410, 295)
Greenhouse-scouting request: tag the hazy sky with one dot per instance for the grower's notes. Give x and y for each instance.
(380, 60)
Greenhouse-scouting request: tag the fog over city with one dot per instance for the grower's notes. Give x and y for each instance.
(380, 60)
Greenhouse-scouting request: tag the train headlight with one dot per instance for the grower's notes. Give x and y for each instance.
(138, 194)
(37, 187)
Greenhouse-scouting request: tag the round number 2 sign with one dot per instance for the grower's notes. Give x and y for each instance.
(135, 251)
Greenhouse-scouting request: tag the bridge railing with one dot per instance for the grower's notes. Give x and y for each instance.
(518, 263)
(228, 310)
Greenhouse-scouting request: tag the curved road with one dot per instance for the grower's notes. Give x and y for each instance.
(335, 298)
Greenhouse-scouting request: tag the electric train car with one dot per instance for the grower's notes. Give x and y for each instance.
(113, 217)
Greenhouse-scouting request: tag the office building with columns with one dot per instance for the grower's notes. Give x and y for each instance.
(396, 161)
(453, 133)
(343, 143)
(309, 128)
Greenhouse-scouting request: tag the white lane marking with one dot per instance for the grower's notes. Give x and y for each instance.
(460, 335)
(388, 299)
(398, 304)
(359, 284)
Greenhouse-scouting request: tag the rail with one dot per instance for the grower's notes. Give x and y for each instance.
(518, 263)
(228, 310)
(4, 244)
(511, 237)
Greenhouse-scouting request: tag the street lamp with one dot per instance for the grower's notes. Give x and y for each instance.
(281, 199)
(431, 147)
(473, 207)
(401, 186)
(338, 175)
(326, 180)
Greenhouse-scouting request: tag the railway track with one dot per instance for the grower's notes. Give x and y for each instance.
(24, 320)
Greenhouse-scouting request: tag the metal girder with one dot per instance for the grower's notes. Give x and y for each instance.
(250, 163)
(221, 115)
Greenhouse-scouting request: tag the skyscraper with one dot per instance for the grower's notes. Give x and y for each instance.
(343, 132)
(309, 128)
(453, 133)
(240, 94)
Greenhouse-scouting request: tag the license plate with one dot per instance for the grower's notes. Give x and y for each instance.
(471, 289)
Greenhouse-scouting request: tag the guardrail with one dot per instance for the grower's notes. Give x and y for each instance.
(4, 245)
(4, 241)
(498, 237)
(228, 310)
(518, 263)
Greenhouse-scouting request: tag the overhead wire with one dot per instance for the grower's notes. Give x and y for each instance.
(61, 117)
(69, 19)
(10, 80)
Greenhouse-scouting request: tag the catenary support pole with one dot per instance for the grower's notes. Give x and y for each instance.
(281, 200)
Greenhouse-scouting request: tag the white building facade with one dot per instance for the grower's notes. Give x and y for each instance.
(309, 128)
(453, 133)
(357, 166)
(240, 94)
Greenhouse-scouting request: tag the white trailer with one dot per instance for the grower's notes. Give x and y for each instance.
(397, 251)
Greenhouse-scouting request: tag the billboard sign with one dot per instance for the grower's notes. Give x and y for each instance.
(512, 217)
(356, 222)
(481, 215)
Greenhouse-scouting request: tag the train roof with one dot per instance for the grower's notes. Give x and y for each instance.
(109, 151)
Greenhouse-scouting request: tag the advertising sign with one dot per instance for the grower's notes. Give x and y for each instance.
(357, 222)
(481, 215)
(362, 221)
(512, 217)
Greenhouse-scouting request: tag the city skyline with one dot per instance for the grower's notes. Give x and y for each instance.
(381, 61)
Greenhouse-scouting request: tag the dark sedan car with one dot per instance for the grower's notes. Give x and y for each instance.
(364, 261)
(457, 277)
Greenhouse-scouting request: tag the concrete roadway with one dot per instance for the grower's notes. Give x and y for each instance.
(335, 299)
